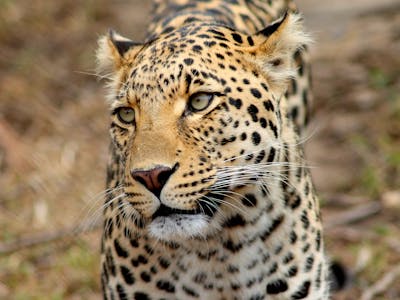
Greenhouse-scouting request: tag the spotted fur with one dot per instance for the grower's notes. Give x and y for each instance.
(210, 197)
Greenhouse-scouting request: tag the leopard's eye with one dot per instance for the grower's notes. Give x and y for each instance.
(126, 115)
(200, 101)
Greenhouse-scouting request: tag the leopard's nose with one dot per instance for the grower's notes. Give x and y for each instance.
(153, 179)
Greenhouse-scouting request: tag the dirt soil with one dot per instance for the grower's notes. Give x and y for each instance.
(53, 141)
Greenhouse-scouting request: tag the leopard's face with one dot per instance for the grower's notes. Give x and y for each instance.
(197, 117)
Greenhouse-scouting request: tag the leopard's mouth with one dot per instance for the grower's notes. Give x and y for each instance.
(166, 211)
(168, 224)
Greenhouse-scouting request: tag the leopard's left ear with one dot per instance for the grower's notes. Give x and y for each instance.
(114, 51)
(275, 46)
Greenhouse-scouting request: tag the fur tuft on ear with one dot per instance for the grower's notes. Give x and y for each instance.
(114, 51)
(275, 47)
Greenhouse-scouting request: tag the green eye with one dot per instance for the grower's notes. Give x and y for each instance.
(200, 101)
(126, 115)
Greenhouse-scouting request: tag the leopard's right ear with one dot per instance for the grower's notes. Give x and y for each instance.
(115, 51)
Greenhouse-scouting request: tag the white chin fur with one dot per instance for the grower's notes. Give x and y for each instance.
(178, 226)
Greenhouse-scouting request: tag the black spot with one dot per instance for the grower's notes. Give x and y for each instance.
(237, 38)
(142, 259)
(273, 269)
(230, 245)
(235, 286)
(294, 86)
(216, 32)
(197, 48)
(292, 271)
(271, 155)
(233, 269)
(153, 270)
(305, 98)
(121, 252)
(146, 277)
(288, 258)
(249, 157)
(148, 249)
(294, 112)
(309, 263)
(188, 80)
(121, 292)
(127, 275)
(225, 141)
(253, 110)
(263, 123)
(302, 292)
(274, 225)
(190, 20)
(190, 291)
(168, 29)
(236, 220)
(166, 286)
(200, 277)
(256, 138)
(293, 237)
(236, 103)
(268, 105)
(250, 41)
(233, 68)
(134, 243)
(304, 220)
(259, 157)
(256, 93)
(188, 61)
(296, 203)
(109, 227)
(110, 262)
(318, 240)
(265, 87)
(209, 43)
(277, 286)
(141, 296)
(306, 247)
(134, 262)
(243, 136)
(273, 128)
(249, 200)
(203, 36)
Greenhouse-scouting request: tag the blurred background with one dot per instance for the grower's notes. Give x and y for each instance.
(53, 141)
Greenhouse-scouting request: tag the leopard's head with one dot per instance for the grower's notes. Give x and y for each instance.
(196, 123)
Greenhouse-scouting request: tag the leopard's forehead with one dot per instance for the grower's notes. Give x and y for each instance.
(194, 56)
(194, 38)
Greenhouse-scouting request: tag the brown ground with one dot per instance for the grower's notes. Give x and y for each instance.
(53, 138)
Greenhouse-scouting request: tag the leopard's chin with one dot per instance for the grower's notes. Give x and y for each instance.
(176, 227)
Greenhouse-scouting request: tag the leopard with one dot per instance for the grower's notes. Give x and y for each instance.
(209, 195)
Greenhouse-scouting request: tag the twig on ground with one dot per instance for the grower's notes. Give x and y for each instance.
(382, 284)
(45, 237)
(353, 234)
(358, 213)
(343, 200)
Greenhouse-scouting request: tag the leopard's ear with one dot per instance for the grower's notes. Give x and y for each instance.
(275, 46)
(114, 51)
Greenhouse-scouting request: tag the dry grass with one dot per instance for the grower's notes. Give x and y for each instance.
(53, 140)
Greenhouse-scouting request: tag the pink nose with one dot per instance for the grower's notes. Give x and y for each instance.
(153, 179)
